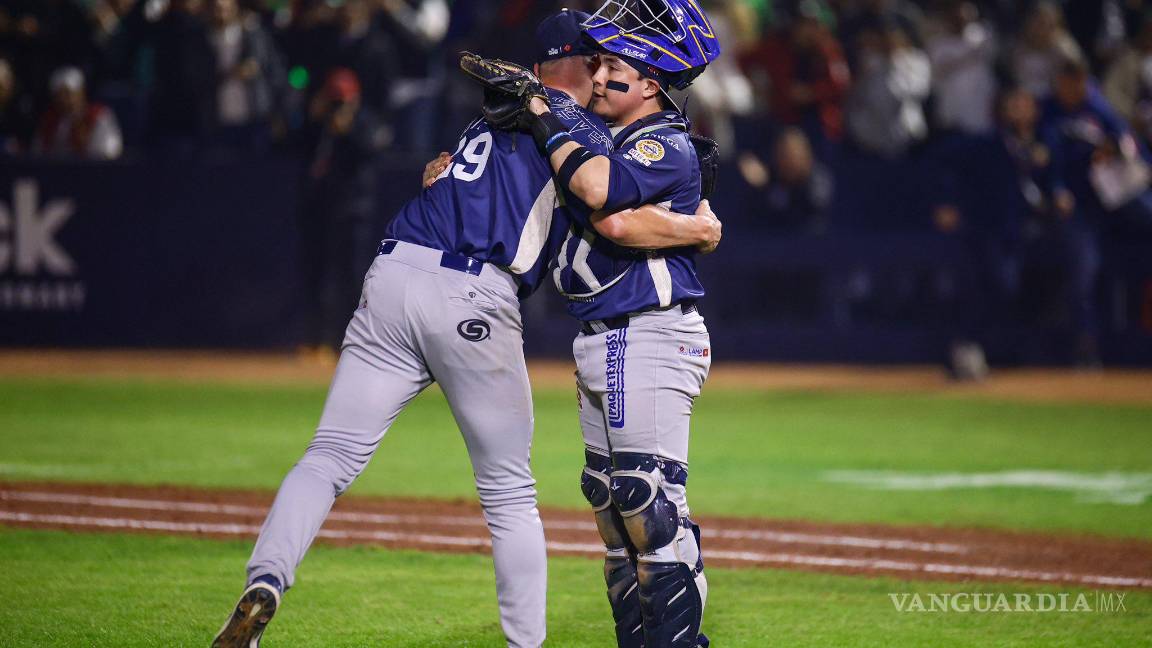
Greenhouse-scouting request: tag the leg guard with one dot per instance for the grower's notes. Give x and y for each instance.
(648, 491)
(619, 564)
(673, 591)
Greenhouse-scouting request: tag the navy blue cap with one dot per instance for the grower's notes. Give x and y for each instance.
(559, 36)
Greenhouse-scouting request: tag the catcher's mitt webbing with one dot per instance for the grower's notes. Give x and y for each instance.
(508, 89)
(708, 155)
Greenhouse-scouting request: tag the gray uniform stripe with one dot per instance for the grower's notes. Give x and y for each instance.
(535, 233)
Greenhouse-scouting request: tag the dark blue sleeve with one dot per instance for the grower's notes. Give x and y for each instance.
(576, 209)
(585, 127)
(648, 170)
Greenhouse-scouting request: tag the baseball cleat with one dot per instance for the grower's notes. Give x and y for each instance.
(253, 612)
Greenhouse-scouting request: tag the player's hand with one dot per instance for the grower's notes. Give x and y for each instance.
(711, 228)
(434, 168)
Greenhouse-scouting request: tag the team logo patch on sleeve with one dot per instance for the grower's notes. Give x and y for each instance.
(650, 150)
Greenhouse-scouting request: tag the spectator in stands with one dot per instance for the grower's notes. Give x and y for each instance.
(361, 47)
(803, 74)
(1086, 134)
(1099, 26)
(418, 28)
(1020, 144)
(1040, 49)
(1097, 169)
(724, 95)
(16, 115)
(106, 16)
(878, 15)
(1128, 84)
(962, 55)
(250, 77)
(343, 139)
(885, 111)
(75, 127)
(175, 44)
(795, 189)
(986, 188)
(43, 36)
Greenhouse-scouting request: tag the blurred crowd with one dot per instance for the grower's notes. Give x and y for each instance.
(1018, 127)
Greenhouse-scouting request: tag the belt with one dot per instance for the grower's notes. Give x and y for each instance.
(592, 327)
(448, 260)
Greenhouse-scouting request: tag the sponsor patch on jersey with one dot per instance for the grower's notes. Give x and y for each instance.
(649, 149)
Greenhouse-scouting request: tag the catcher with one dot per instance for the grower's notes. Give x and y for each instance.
(643, 352)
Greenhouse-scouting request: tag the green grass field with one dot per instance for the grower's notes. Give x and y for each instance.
(109, 590)
(754, 454)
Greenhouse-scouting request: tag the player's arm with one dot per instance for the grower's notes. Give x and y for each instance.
(584, 173)
(652, 228)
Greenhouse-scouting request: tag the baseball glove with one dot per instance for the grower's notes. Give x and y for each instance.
(508, 89)
(708, 154)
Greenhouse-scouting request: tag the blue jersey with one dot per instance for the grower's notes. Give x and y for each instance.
(654, 163)
(497, 202)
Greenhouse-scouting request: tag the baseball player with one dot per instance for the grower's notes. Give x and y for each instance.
(440, 303)
(643, 353)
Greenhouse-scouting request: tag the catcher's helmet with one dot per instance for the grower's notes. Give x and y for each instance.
(673, 36)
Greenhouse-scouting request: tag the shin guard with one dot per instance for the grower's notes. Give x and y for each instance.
(619, 561)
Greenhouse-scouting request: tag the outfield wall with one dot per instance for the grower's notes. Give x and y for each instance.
(201, 255)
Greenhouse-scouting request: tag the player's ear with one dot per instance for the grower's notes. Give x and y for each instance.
(651, 88)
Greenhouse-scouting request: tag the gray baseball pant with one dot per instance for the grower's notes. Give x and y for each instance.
(638, 385)
(419, 322)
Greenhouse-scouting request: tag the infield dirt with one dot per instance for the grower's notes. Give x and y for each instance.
(931, 553)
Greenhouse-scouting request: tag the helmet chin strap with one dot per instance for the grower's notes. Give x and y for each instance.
(671, 101)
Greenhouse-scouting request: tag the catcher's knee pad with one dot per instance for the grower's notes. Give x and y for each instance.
(595, 484)
(638, 489)
(673, 591)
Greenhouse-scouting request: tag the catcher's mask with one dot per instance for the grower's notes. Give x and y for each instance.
(673, 36)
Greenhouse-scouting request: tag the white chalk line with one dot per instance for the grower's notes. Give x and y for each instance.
(743, 556)
(446, 520)
(1114, 487)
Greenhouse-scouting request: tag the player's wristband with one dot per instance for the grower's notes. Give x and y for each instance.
(556, 141)
(575, 160)
(549, 132)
